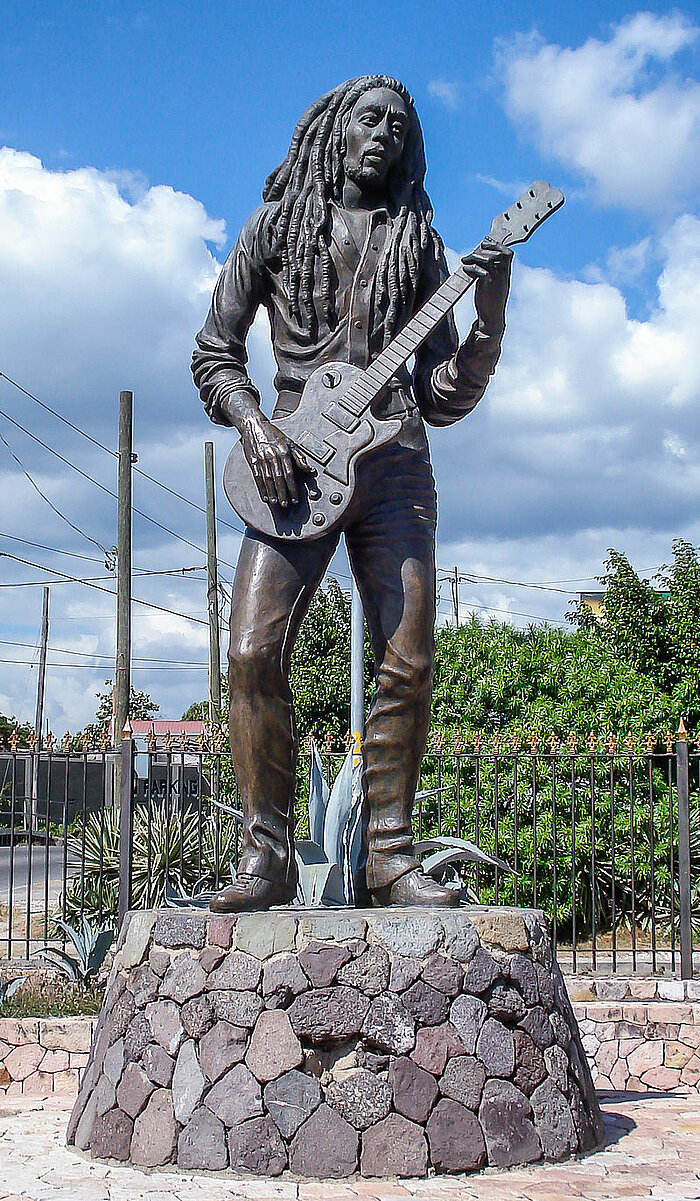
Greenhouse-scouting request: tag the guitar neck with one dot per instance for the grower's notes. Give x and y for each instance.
(399, 351)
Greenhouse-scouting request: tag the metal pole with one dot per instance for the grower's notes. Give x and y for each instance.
(126, 819)
(123, 658)
(455, 597)
(212, 588)
(682, 789)
(357, 664)
(39, 715)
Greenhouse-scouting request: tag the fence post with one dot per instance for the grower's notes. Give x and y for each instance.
(126, 820)
(682, 787)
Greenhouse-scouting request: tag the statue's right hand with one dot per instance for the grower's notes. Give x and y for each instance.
(273, 460)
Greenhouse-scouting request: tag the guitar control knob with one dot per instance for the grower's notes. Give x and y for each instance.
(318, 519)
(331, 379)
(335, 498)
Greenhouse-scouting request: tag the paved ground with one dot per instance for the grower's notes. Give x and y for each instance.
(652, 1151)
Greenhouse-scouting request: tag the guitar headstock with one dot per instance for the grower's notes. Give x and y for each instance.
(522, 218)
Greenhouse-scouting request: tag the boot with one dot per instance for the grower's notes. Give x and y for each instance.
(415, 889)
(250, 894)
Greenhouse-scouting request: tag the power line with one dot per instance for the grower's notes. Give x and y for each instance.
(53, 549)
(64, 650)
(101, 666)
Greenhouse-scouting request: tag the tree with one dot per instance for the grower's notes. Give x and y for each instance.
(10, 726)
(141, 708)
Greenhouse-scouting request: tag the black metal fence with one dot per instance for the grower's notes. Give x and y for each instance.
(604, 838)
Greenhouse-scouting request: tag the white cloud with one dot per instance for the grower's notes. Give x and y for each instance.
(614, 110)
(447, 91)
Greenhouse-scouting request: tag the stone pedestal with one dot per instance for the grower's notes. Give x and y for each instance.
(327, 1042)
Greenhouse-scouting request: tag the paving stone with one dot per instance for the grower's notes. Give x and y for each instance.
(415, 1091)
(369, 972)
(435, 1045)
(274, 1047)
(389, 1026)
(198, 1016)
(322, 962)
(394, 1147)
(143, 985)
(537, 1025)
(155, 1132)
(361, 1098)
(113, 1062)
(463, 1080)
(181, 928)
(557, 1062)
(461, 938)
(238, 1008)
(134, 1090)
(496, 1049)
(111, 1135)
(501, 927)
(444, 974)
(506, 1121)
(122, 1014)
(137, 1037)
(265, 934)
(235, 1097)
(239, 971)
(428, 1006)
(166, 1028)
(530, 1067)
(158, 1065)
(325, 1146)
(202, 1144)
(467, 1015)
(337, 925)
(455, 1138)
(158, 961)
(406, 933)
(138, 934)
(184, 978)
(404, 971)
(553, 1121)
(221, 1048)
(291, 1099)
(328, 1015)
(283, 980)
(505, 1003)
(481, 972)
(210, 958)
(188, 1083)
(255, 1146)
(523, 974)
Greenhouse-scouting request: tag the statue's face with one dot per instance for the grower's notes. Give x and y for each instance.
(375, 137)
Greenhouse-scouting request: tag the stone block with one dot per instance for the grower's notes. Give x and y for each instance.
(17, 1031)
(235, 1097)
(325, 1146)
(408, 933)
(501, 927)
(157, 1065)
(111, 1135)
(446, 975)
(389, 1026)
(328, 1015)
(255, 1146)
(690, 1074)
(369, 972)
(553, 1121)
(65, 1034)
(337, 926)
(463, 1080)
(274, 1047)
(480, 973)
(54, 1061)
(428, 1006)
(23, 1060)
(265, 934)
(661, 1078)
(283, 980)
(133, 1090)
(435, 1045)
(404, 971)
(67, 1082)
(238, 1008)
(557, 1062)
(155, 1132)
(290, 1100)
(167, 1030)
(220, 930)
(211, 957)
(361, 1098)
(461, 938)
(415, 1090)
(221, 1049)
(38, 1084)
(188, 1083)
(649, 1055)
(506, 1120)
(467, 1015)
(138, 935)
(201, 1146)
(671, 990)
(181, 928)
(322, 962)
(455, 1138)
(505, 1003)
(185, 978)
(120, 1018)
(677, 1054)
(137, 1037)
(198, 1016)
(394, 1147)
(496, 1049)
(538, 1026)
(545, 986)
(144, 985)
(239, 971)
(158, 961)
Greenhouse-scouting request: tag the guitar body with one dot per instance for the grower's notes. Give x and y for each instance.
(334, 436)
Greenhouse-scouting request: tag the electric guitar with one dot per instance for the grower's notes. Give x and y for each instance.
(334, 424)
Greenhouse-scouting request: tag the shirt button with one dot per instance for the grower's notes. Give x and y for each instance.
(346, 241)
(363, 283)
(375, 248)
(358, 325)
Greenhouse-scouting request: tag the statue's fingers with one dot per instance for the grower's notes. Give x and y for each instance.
(290, 477)
(299, 457)
(269, 482)
(259, 477)
(278, 480)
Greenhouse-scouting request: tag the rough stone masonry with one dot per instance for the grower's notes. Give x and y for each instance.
(327, 1042)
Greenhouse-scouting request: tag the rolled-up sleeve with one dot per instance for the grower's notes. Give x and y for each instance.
(219, 364)
(449, 379)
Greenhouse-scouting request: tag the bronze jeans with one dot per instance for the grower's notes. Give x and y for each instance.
(390, 535)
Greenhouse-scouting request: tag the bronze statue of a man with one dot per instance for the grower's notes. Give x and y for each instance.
(341, 254)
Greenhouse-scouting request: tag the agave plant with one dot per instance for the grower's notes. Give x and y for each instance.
(90, 945)
(9, 988)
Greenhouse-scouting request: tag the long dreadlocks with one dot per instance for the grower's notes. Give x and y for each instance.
(312, 175)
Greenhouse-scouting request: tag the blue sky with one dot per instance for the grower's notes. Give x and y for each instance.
(137, 138)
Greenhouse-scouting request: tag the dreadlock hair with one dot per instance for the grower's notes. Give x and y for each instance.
(312, 175)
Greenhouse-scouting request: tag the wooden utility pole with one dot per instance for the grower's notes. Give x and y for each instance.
(455, 596)
(123, 657)
(212, 587)
(31, 806)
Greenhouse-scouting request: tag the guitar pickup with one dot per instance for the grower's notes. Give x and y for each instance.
(341, 418)
(314, 448)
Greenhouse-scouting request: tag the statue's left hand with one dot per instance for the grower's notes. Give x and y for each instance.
(490, 265)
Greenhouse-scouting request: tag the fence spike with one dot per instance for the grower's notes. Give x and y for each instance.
(14, 741)
(572, 742)
(592, 743)
(670, 742)
(682, 735)
(631, 743)
(650, 742)
(66, 742)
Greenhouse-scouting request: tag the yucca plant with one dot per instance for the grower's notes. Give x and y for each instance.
(90, 945)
